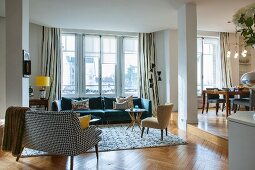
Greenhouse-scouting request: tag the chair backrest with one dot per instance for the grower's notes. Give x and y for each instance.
(52, 132)
(212, 96)
(164, 114)
(252, 98)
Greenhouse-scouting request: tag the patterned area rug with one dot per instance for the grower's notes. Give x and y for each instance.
(118, 137)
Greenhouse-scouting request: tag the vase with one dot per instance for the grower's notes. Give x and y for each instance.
(248, 78)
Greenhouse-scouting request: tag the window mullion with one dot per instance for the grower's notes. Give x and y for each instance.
(100, 66)
(120, 67)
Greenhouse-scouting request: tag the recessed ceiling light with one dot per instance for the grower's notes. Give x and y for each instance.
(229, 22)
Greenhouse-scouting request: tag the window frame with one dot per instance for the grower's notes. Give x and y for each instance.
(202, 54)
(80, 68)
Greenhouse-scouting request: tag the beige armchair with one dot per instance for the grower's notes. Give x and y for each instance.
(162, 120)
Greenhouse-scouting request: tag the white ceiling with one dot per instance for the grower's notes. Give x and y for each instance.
(130, 15)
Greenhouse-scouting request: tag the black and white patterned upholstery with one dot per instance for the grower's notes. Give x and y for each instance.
(58, 133)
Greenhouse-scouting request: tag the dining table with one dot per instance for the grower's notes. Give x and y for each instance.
(226, 93)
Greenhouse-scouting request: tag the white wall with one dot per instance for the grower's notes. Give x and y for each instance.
(160, 57)
(35, 39)
(2, 68)
(167, 62)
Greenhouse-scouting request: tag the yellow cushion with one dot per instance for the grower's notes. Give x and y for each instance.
(84, 121)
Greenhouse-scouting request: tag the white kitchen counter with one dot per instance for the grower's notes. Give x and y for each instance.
(241, 141)
(243, 117)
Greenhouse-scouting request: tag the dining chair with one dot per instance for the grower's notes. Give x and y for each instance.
(247, 100)
(214, 98)
(231, 98)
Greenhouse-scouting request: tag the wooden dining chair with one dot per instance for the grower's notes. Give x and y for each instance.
(214, 98)
(247, 100)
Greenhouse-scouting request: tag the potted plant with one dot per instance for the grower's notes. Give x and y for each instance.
(244, 19)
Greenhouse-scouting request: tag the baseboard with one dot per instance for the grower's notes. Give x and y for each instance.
(207, 136)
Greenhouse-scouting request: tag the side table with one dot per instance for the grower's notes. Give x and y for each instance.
(39, 102)
(135, 115)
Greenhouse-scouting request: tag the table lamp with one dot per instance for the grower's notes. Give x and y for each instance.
(43, 82)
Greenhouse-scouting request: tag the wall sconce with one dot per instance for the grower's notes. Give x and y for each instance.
(152, 67)
(159, 75)
(150, 83)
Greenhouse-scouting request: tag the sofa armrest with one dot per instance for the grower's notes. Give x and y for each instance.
(56, 105)
(146, 104)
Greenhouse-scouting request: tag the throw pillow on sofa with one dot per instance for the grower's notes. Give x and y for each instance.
(120, 106)
(80, 105)
(128, 99)
(66, 103)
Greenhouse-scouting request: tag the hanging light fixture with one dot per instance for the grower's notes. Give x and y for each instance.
(244, 53)
(228, 53)
(236, 55)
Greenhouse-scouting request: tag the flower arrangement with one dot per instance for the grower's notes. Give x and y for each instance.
(244, 19)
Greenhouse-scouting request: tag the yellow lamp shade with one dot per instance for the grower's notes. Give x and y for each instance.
(42, 81)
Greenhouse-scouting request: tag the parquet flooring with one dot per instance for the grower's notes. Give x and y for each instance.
(210, 122)
(197, 154)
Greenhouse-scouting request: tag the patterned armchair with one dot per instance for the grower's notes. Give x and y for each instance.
(58, 133)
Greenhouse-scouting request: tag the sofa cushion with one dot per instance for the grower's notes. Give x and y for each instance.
(96, 103)
(80, 104)
(115, 115)
(108, 102)
(137, 102)
(95, 112)
(66, 103)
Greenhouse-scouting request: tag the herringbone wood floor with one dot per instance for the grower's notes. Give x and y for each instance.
(197, 154)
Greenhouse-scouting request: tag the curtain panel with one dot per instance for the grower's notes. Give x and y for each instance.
(51, 60)
(148, 78)
(225, 61)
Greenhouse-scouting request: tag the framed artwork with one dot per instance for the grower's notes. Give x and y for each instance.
(26, 64)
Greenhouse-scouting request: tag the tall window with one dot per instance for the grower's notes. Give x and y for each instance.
(68, 64)
(208, 63)
(131, 66)
(101, 65)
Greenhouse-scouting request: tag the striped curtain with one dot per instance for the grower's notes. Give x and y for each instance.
(148, 77)
(225, 62)
(51, 59)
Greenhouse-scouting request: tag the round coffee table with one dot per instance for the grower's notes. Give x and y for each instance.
(135, 115)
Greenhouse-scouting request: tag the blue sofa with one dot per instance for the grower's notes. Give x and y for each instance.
(103, 107)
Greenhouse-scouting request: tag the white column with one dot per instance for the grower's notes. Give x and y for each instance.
(187, 65)
(17, 38)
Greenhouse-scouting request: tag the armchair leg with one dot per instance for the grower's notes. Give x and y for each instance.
(71, 162)
(161, 134)
(17, 159)
(166, 131)
(142, 132)
(147, 130)
(96, 148)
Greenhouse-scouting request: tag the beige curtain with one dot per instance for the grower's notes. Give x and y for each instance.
(225, 62)
(148, 77)
(51, 60)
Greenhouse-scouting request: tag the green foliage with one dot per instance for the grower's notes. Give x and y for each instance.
(248, 24)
